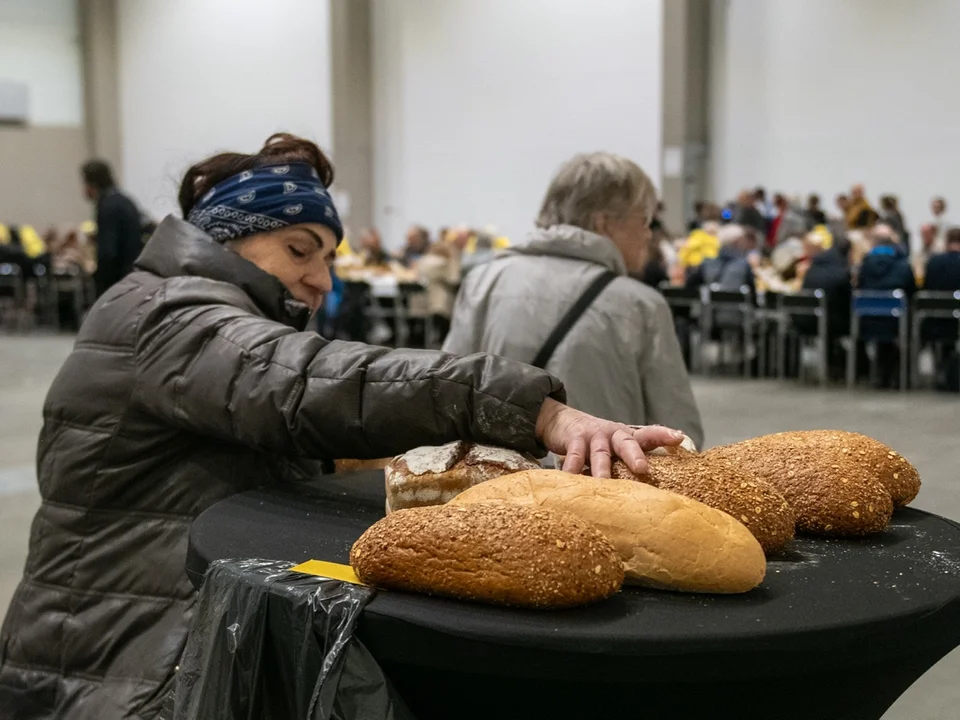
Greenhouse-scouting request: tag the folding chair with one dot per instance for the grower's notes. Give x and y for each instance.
(929, 305)
(878, 304)
(805, 303)
(740, 302)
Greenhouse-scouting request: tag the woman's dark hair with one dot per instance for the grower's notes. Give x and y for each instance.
(97, 174)
(278, 149)
(888, 202)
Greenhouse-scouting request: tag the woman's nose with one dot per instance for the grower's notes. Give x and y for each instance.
(319, 279)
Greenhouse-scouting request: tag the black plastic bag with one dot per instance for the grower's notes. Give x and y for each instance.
(273, 644)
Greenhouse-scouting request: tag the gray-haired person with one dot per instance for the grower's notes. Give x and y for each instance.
(564, 299)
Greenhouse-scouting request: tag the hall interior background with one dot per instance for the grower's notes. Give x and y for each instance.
(454, 113)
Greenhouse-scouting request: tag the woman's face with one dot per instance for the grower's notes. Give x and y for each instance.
(631, 234)
(299, 256)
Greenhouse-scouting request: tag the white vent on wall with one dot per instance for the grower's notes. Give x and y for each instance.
(14, 99)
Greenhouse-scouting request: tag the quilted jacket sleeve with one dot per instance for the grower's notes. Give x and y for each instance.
(208, 366)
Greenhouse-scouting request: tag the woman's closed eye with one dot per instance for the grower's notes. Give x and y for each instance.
(296, 252)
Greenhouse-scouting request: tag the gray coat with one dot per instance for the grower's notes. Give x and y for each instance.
(192, 380)
(621, 360)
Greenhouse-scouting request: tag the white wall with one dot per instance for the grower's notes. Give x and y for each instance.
(39, 46)
(200, 76)
(815, 95)
(476, 103)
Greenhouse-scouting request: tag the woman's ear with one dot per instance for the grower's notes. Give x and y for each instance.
(600, 223)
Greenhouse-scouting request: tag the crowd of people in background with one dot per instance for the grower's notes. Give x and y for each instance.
(763, 242)
(792, 244)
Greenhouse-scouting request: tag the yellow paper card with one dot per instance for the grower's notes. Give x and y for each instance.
(321, 568)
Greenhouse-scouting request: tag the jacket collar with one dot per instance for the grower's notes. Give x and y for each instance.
(575, 243)
(177, 248)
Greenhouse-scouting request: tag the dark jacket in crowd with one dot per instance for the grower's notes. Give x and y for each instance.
(119, 238)
(816, 217)
(829, 272)
(191, 381)
(749, 216)
(942, 275)
(943, 272)
(885, 268)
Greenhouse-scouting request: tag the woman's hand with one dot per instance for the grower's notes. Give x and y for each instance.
(582, 438)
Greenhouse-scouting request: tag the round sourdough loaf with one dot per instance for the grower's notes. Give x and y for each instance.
(435, 475)
(722, 485)
(834, 481)
(665, 540)
(499, 554)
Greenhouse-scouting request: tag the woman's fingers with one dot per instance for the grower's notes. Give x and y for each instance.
(627, 448)
(600, 455)
(576, 456)
(654, 436)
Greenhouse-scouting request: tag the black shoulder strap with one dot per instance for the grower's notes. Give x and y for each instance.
(570, 318)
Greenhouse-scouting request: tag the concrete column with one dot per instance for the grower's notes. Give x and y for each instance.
(686, 25)
(98, 32)
(352, 110)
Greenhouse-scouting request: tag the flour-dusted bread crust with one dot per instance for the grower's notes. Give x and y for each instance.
(665, 540)
(833, 480)
(722, 485)
(499, 554)
(435, 475)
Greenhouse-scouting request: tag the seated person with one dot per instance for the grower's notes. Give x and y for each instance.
(921, 255)
(418, 242)
(439, 272)
(943, 275)
(828, 270)
(482, 252)
(621, 354)
(730, 270)
(371, 249)
(885, 267)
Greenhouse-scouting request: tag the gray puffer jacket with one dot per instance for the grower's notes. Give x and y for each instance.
(192, 380)
(621, 360)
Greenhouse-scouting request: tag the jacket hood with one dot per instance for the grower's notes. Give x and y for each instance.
(178, 249)
(575, 243)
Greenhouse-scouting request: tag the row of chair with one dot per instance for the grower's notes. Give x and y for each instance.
(40, 296)
(757, 317)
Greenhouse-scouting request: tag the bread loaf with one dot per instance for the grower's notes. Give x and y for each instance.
(722, 485)
(834, 481)
(347, 466)
(498, 554)
(666, 540)
(435, 475)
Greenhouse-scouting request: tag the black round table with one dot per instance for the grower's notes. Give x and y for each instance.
(837, 631)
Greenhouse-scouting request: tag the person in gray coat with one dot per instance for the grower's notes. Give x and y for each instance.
(194, 378)
(620, 358)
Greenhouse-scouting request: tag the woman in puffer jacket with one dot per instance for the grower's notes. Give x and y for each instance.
(193, 379)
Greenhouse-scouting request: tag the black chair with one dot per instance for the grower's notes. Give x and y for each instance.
(929, 305)
(69, 289)
(768, 319)
(12, 292)
(892, 304)
(805, 303)
(686, 305)
(737, 303)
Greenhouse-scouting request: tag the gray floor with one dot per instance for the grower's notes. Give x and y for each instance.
(922, 427)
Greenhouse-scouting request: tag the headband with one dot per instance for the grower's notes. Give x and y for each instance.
(263, 199)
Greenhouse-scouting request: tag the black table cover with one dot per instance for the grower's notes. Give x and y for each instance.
(838, 629)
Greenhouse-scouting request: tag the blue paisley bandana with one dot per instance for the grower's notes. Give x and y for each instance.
(263, 199)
